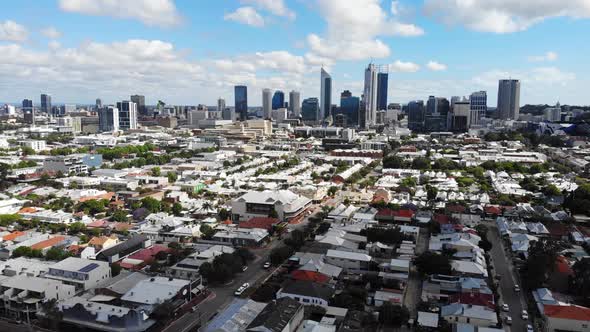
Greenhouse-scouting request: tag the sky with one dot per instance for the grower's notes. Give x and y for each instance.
(188, 52)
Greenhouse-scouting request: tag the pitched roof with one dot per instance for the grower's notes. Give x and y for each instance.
(48, 243)
(12, 236)
(276, 315)
(304, 275)
(573, 312)
(259, 222)
(308, 288)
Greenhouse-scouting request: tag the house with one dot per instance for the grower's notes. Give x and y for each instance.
(282, 315)
(103, 242)
(567, 317)
(149, 293)
(390, 295)
(348, 260)
(260, 222)
(307, 292)
(242, 237)
(236, 317)
(123, 249)
(559, 278)
(305, 275)
(84, 274)
(142, 257)
(469, 314)
(286, 204)
(397, 216)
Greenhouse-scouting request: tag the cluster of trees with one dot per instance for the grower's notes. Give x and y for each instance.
(121, 151)
(540, 262)
(580, 283)
(152, 205)
(431, 262)
(482, 232)
(225, 266)
(53, 254)
(393, 315)
(9, 219)
(391, 236)
(277, 167)
(92, 206)
(579, 200)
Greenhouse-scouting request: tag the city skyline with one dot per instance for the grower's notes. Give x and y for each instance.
(78, 53)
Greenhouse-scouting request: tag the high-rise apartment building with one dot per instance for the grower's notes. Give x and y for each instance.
(508, 99)
(98, 104)
(28, 111)
(461, 116)
(127, 115)
(437, 114)
(382, 85)
(139, 100)
(108, 119)
(220, 105)
(295, 103)
(266, 103)
(416, 115)
(46, 103)
(370, 96)
(478, 104)
(349, 108)
(278, 100)
(325, 95)
(241, 101)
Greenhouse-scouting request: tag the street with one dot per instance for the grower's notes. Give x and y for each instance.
(413, 290)
(503, 266)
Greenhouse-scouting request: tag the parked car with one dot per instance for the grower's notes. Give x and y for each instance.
(529, 328)
(244, 268)
(524, 315)
(505, 307)
(241, 290)
(508, 320)
(266, 265)
(516, 288)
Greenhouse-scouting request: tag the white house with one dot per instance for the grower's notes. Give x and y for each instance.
(285, 203)
(348, 260)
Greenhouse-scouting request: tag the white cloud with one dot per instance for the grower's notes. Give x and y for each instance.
(150, 12)
(245, 15)
(395, 7)
(276, 7)
(353, 30)
(404, 67)
(51, 33)
(549, 56)
(436, 66)
(12, 31)
(503, 16)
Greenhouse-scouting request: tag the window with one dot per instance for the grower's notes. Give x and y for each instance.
(306, 300)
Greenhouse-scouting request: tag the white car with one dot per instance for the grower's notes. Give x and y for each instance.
(529, 328)
(241, 290)
(508, 320)
(505, 307)
(524, 315)
(516, 288)
(266, 265)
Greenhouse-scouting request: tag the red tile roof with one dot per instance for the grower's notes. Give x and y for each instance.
(12, 236)
(441, 218)
(309, 276)
(473, 299)
(395, 213)
(48, 243)
(573, 312)
(563, 266)
(259, 222)
(456, 208)
(490, 209)
(148, 254)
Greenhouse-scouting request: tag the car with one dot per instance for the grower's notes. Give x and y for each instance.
(244, 268)
(241, 290)
(266, 265)
(524, 314)
(505, 307)
(529, 328)
(508, 320)
(516, 288)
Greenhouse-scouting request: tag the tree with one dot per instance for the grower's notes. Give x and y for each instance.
(421, 163)
(207, 232)
(273, 214)
(581, 279)
(156, 171)
(164, 310)
(431, 192)
(177, 209)
(393, 161)
(540, 263)
(151, 204)
(265, 293)
(393, 315)
(92, 206)
(280, 254)
(172, 177)
(296, 240)
(430, 262)
(551, 190)
(332, 190)
(56, 254)
(27, 151)
(9, 219)
(244, 254)
(76, 227)
(120, 216)
(223, 214)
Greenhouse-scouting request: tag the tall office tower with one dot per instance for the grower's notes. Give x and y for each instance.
(382, 83)
(46, 103)
(241, 101)
(508, 99)
(349, 108)
(98, 103)
(325, 95)
(266, 103)
(416, 115)
(461, 116)
(220, 105)
(278, 100)
(295, 103)
(66, 109)
(127, 115)
(28, 111)
(370, 96)
(310, 108)
(437, 112)
(139, 100)
(478, 104)
(227, 114)
(108, 119)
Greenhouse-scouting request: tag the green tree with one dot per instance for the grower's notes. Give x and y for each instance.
(9, 219)
(177, 209)
(151, 204)
(56, 254)
(551, 190)
(76, 227)
(156, 171)
(120, 216)
(581, 279)
(432, 263)
(207, 232)
(393, 315)
(393, 161)
(27, 151)
(172, 177)
(431, 192)
(279, 254)
(540, 263)
(421, 163)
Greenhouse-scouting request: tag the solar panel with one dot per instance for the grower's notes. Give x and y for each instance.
(88, 268)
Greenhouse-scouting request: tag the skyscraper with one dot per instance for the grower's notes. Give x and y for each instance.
(461, 116)
(325, 95)
(98, 104)
(241, 101)
(416, 115)
(278, 100)
(28, 111)
(108, 119)
(46, 103)
(382, 83)
(220, 105)
(370, 96)
(139, 100)
(478, 104)
(295, 103)
(508, 99)
(310, 108)
(127, 115)
(266, 103)
(437, 112)
(349, 108)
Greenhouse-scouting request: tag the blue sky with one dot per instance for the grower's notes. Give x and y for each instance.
(191, 52)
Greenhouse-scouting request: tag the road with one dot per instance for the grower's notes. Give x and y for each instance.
(503, 266)
(223, 295)
(413, 290)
